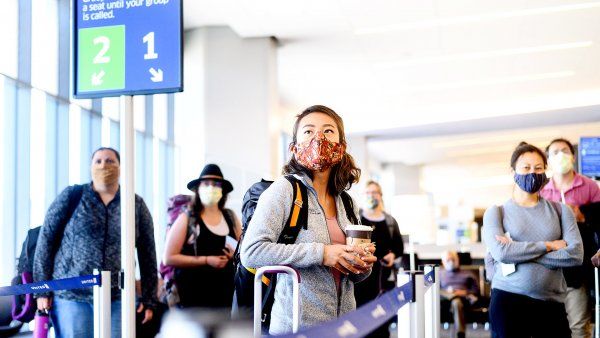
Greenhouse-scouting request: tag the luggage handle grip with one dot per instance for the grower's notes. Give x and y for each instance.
(276, 269)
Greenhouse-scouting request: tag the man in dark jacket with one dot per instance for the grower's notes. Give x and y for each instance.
(91, 239)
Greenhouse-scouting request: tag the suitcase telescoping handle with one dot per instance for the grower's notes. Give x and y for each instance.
(258, 295)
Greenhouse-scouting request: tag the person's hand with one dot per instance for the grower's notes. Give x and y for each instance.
(365, 253)
(460, 293)
(388, 260)
(579, 217)
(148, 314)
(503, 239)
(555, 245)
(217, 262)
(44, 303)
(472, 298)
(343, 258)
(228, 251)
(596, 259)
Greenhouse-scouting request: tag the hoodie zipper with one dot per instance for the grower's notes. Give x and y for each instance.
(337, 294)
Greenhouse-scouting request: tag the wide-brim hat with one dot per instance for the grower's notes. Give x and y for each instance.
(211, 172)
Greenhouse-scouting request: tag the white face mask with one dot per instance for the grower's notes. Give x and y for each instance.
(561, 163)
(449, 266)
(210, 195)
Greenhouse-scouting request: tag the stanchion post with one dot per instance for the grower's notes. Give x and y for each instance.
(404, 326)
(437, 318)
(432, 305)
(102, 302)
(417, 309)
(597, 312)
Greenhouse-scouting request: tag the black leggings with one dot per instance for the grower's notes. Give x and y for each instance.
(517, 316)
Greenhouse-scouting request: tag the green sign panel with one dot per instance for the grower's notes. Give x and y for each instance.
(101, 58)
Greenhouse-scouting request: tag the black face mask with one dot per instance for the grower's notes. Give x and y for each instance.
(531, 182)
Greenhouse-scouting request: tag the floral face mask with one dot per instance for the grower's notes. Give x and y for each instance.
(318, 153)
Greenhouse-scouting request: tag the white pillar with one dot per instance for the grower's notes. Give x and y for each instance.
(228, 113)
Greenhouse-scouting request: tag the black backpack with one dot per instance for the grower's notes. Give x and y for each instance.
(24, 306)
(243, 297)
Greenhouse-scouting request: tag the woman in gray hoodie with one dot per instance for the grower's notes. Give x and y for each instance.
(329, 268)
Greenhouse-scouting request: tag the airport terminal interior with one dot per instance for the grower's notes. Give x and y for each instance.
(430, 98)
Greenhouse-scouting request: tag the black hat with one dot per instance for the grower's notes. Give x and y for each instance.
(211, 172)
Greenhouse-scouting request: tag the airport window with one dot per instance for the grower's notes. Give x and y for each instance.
(9, 20)
(44, 46)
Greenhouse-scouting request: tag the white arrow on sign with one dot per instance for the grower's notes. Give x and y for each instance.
(157, 75)
(97, 78)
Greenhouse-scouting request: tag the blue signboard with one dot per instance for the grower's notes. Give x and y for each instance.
(127, 47)
(589, 156)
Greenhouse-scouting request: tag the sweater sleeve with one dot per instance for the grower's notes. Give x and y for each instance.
(50, 238)
(572, 254)
(260, 247)
(146, 253)
(513, 252)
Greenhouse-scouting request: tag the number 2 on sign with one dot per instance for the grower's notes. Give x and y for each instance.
(101, 57)
(149, 39)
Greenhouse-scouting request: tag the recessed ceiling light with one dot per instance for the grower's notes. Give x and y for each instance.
(489, 82)
(459, 20)
(483, 54)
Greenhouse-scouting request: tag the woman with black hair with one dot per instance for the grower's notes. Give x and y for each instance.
(329, 268)
(530, 239)
(197, 247)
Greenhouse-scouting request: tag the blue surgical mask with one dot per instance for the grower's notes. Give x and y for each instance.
(531, 182)
(371, 202)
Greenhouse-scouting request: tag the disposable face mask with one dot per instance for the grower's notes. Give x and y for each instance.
(449, 266)
(371, 202)
(210, 195)
(561, 163)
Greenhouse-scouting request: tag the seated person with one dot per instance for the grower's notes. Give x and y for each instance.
(458, 288)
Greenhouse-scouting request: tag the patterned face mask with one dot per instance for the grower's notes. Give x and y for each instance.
(319, 153)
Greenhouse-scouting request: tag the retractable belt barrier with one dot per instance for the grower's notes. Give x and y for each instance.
(363, 320)
(100, 281)
(52, 285)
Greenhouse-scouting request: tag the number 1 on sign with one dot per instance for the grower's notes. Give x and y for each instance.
(149, 40)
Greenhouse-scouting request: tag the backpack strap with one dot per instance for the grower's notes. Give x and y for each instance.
(349, 206)
(74, 199)
(230, 220)
(298, 218)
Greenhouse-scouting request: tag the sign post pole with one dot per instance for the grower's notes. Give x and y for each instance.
(127, 219)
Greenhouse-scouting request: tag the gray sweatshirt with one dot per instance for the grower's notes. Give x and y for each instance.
(319, 300)
(538, 273)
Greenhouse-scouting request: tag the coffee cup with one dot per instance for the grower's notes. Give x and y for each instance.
(358, 234)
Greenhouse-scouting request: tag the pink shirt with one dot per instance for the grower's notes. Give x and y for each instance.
(584, 191)
(337, 237)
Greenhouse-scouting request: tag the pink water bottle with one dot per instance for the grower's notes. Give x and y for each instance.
(42, 324)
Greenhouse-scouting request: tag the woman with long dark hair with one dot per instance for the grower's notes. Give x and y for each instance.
(197, 247)
(530, 239)
(329, 268)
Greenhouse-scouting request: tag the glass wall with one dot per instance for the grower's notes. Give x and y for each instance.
(48, 137)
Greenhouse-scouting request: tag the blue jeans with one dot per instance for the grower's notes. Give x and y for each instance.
(72, 319)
